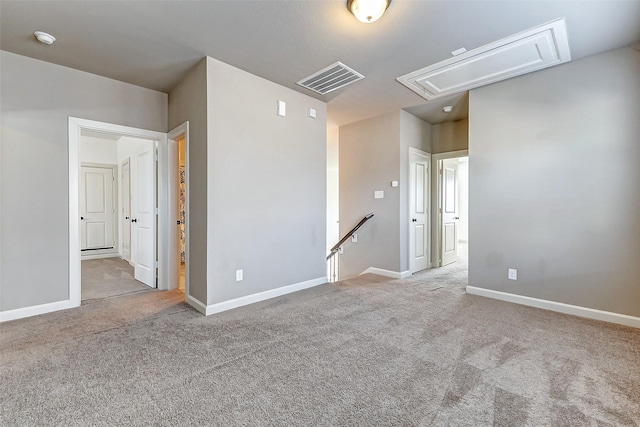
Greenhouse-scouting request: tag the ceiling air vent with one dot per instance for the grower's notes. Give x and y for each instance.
(531, 50)
(330, 78)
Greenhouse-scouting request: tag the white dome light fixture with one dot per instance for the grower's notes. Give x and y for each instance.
(447, 109)
(368, 11)
(43, 37)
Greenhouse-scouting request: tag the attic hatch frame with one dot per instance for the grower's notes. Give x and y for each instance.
(531, 50)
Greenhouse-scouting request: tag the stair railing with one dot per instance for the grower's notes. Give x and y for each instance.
(332, 258)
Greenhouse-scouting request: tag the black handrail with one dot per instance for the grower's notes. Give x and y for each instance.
(349, 234)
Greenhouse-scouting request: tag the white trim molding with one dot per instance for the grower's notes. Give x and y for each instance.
(590, 313)
(35, 310)
(196, 304)
(387, 273)
(253, 298)
(75, 126)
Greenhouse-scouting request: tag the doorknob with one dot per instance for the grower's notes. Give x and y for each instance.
(81, 218)
(414, 220)
(456, 217)
(134, 220)
(126, 217)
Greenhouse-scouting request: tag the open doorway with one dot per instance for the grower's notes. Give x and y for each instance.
(452, 207)
(148, 215)
(182, 210)
(178, 205)
(117, 214)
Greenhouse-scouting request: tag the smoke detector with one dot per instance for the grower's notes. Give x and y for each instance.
(45, 38)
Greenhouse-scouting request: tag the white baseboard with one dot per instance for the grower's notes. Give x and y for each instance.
(261, 296)
(34, 310)
(387, 273)
(201, 307)
(590, 313)
(100, 256)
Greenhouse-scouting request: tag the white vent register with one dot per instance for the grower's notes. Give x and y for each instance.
(540, 47)
(330, 78)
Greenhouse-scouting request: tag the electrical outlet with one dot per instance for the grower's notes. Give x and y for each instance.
(238, 275)
(513, 274)
(354, 238)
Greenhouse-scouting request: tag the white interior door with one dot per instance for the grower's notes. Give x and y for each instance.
(450, 215)
(143, 215)
(419, 254)
(97, 213)
(126, 210)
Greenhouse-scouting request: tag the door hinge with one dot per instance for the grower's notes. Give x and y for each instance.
(157, 210)
(156, 264)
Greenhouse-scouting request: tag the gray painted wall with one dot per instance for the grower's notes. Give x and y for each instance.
(369, 161)
(188, 102)
(373, 153)
(554, 180)
(266, 185)
(450, 136)
(36, 100)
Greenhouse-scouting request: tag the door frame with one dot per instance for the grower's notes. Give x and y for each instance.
(427, 189)
(436, 202)
(107, 253)
(122, 220)
(76, 125)
(172, 206)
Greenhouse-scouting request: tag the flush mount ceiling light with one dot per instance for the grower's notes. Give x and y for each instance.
(44, 37)
(368, 11)
(447, 109)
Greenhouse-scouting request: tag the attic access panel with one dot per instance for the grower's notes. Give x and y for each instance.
(540, 47)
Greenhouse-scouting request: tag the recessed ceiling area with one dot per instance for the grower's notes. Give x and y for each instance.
(434, 109)
(154, 44)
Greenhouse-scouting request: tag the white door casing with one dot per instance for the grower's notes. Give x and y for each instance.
(126, 209)
(76, 125)
(419, 214)
(143, 215)
(97, 212)
(449, 206)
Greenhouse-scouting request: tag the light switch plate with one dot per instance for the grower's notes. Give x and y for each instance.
(311, 112)
(378, 194)
(239, 275)
(394, 183)
(282, 108)
(513, 274)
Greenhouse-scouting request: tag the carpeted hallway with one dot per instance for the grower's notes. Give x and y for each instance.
(363, 352)
(108, 277)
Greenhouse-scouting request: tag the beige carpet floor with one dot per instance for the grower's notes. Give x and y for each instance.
(108, 277)
(363, 352)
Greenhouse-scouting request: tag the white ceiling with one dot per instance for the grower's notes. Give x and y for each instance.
(154, 43)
